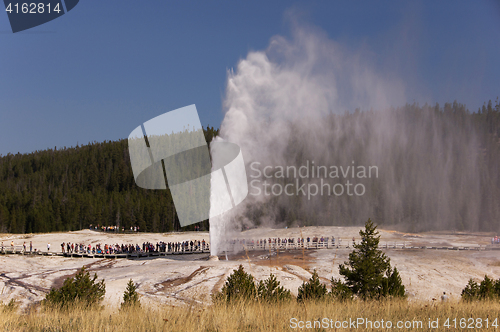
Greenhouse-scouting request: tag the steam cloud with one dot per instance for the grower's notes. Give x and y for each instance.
(287, 106)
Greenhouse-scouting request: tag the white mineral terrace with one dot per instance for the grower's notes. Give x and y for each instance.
(446, 263)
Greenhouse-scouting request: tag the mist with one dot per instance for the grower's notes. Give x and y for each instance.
(308, 101)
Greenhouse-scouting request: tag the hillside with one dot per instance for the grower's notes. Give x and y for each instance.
(72, 188)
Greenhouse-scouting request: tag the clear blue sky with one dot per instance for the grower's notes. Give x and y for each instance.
(99, 71)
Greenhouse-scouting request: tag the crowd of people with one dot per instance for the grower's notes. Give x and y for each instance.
(24, 249)
(147, 247)
(112, 228)
(178, 247)
(284, 242)
(117, 228)
(195, 245)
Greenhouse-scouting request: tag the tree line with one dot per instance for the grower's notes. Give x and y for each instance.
(71, 188)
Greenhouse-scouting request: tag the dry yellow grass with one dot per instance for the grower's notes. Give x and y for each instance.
(261, 317)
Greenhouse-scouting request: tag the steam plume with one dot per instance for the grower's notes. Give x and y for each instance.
(286, 106)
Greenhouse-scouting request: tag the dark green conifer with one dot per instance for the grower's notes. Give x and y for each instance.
(130, 296)
(368, 272)
(312, 289)
(270, 290)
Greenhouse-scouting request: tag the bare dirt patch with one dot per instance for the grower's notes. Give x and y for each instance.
(92, 267)
(180, 281)
(300, 258)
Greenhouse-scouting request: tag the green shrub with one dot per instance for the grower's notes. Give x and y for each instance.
(270, 290)
(312, 289)
(239, 286)
(80, 289)
(130, 296)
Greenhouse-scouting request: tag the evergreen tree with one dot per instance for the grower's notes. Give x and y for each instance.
(130, 296)
(313, 289)
(81, 289)
(393, 284)
(487, 288)
(471, 291)
(340, 291)
(239, 286)
(270, 290)
(368, 272)
(496, 287)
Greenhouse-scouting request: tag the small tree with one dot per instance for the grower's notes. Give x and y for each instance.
(270, 290)
(130, 296)
(496, 287)
(239, 286)
(80, 289)
(471, 291)
(368, 272)
(487, 288)
(340, 291)
(312, 289)
(393, 284)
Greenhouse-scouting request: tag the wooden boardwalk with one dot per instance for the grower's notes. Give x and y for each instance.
(238, 247)
(20, 251)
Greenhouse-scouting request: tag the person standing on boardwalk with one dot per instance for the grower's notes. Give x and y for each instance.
(31, 246)
(48, 246)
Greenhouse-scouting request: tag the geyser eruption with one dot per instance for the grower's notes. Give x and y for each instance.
(286, 107)
(228, 187)
(218, 232)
